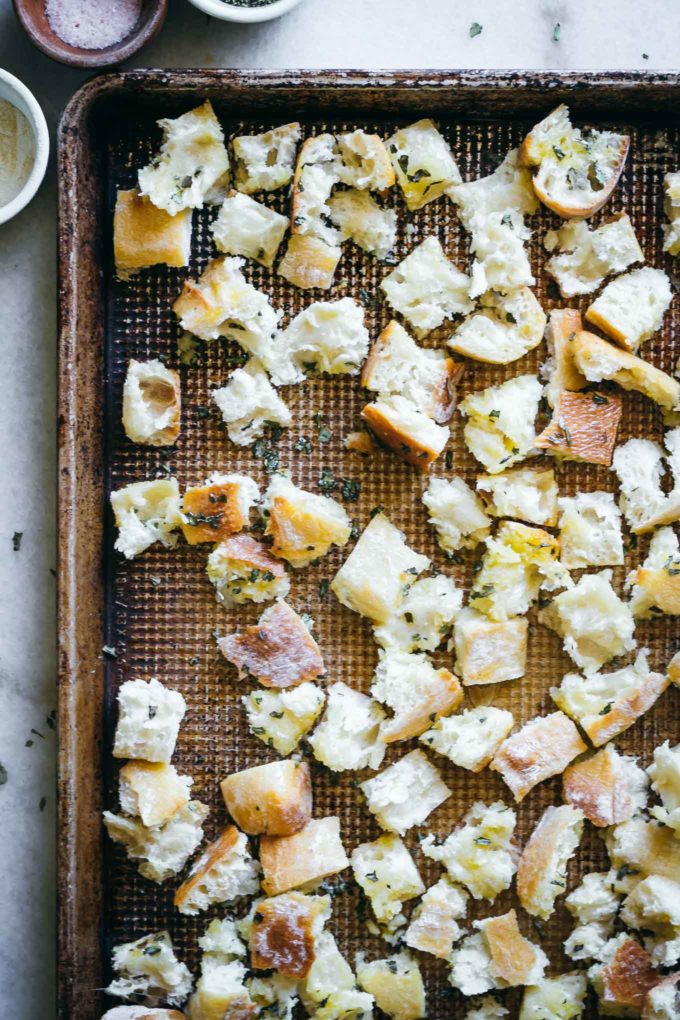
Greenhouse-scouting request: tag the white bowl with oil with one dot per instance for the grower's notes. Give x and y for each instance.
(15, 92)
(244, 13)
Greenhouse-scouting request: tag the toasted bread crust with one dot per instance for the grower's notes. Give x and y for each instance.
(283, 935)
(624, 713)
(144, 235)
(512, 956)
(247, 550)
(258, 804)
(313, 853)
(220, 848)
(309, 262)
(670, 981)
(527, 758)
(398, 440)
(628, 978)
(442, 701)
(632, 373)
(599, 790)
(539, 852)
(279, 650)
(300, 535)
(661, 585)
(164, 794)
(212, 513)
(583, 427)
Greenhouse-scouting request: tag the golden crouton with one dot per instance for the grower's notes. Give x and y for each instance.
(542, 748)
(144, 235)
(278, 651)
(513, 958)
(583, 427)
(274, 799)
(309, 262)
(600, 786)
(308, 856)
(152, 790)
(626, 979)
(283, 933)
(213, 511)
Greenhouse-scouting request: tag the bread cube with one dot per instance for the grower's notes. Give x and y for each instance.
(303, 525)
(284, 931)
(594, 905)
(221, 303)
(522, 493)
(556, 998)
(371, 579)
(309, 262)
(218, 508)
(597, 360)
(397, 422)
(606, 704)
(631, 308)
(560, 371)
(470, 740)
(221, 942)
(274, 799)
(585, 257)
(141, 1013)
(660, 586)
(388, 875)
(671, 187)
(456, 513)
(329, 991)
(405, 793)
(416, 692)
(542, 748)
(423, 163)
(398, 366)
(221, 991)
(149, 966)
(145, 513)
(144, 235)
(508, 188)
(327, 336)
(608, 787)
(583, 427)
(654, 906)
(249, 404)
(470, 966)
(265, 162)
(593, 622)
(639, 848)
(590, 530)
(574, 173)
(424, 617)
(426, 288)
(434, 927)
(365, 161)
(274, 994)
(149, 716)
(479, 853)
(192, 165)
(153, 791)
(359, 218)
(542, 868)
(661, 1001)
(639, 466)
(622, 977)
(496, 956)
(487, 651)
(655, 578)
(396, 984)
(281, 718)
(348, 737)
(164, 849)
(279, 650)
(223, 873)
(243, 570)
(316, 173)
(248, 228)
(664, 773)
(152, 403)
(504, 328)
(500, 422)
(309, 855)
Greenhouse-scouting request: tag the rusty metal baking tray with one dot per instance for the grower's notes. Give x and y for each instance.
(159, 612)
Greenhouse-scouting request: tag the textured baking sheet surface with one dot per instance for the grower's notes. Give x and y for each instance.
(161, 611)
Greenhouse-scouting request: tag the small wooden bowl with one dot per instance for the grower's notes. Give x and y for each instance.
(33, 19)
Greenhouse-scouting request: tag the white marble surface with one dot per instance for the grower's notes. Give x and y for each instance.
(319, 33)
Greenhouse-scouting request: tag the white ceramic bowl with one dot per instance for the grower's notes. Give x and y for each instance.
(226, 11)
(16, 93)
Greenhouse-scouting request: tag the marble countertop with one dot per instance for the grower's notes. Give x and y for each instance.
(640, 34)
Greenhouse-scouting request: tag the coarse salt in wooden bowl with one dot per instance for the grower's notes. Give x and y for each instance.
(32, 15)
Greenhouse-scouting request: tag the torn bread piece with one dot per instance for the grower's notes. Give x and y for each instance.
(265, 162)
(593, 622)
(622, 977)
(152, 403)
(574, 173)
(470, 740)
(149, 967)
(508, 187)
(522, 493)
(142, 1013)
(248, 228)
(583, 427)
(372, 578)
(555, 998)
(275, 994)
(479, 853)
(433, 927)
(590, 531)
(541, 748)
(423, 163)
(218, 508)
(149, 716)
(671, 230)
(415, 691)
(329, 991)
(223, 873)
(487, 1008)
(427, 288)
(281, 718)
(388, 876)
(397, 422)
(221, 989)
(249, 404)
(560, 370)
(164, 849)
(396, 365)
(309, 263)
(365, 161)
(327, 336)
(487, 651)
(656, 574)
(405, 793)
(316, 173)
(424, 618)
(221, 303)
(144, 235)
(457, 514)
(278, 651)
(598, 360)
(145, 513)
(631, 308)
(662, 1002)
(503, 329)
(396, 984)
(274, 799)
(499, 430)
(361, 219)
(152, 791)
(608, 787)
(284, 932)
(192, 165)
(641, 847)
(664, 773)
(639, 466)
(654, 906)
(594, 905)
(586, 257)
(496, 956)
(542, 868)
(313, 853)
(606, 704)
(348, 736)
(303, 526)
(243, 570)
